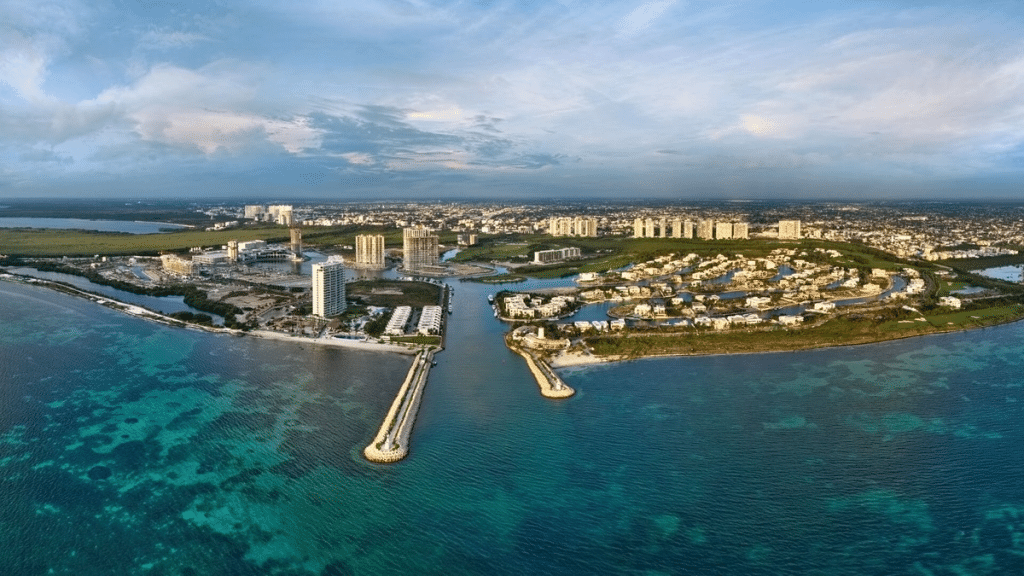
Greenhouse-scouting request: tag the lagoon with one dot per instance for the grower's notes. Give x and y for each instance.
(96, 225)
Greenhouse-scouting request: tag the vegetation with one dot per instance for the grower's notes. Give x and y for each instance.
(186, 316)
(425, 340)
(391, 293)
(988, 262)
(840, 331)
(375, 327)
(55, 243)
(608, 253)
(193, 296)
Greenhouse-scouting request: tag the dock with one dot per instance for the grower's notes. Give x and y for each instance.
(391, 443)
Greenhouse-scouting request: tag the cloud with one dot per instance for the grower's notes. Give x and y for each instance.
(211, 109)
(642, 17)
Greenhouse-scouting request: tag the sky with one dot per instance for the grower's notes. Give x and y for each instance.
(350, 100)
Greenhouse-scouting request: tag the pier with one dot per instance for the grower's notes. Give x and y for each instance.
(551, 386)
(391, 443)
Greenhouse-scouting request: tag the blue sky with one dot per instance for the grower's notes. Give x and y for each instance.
(491, 99)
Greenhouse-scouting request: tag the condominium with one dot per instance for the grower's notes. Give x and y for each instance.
(723, 230)
(177, 264)
(279, 214)
(544, 256)
(789, 229)
(578, 226)
(584, 226)
(419, 248)
(706, 229)
(740, 230)
(329, 287)
(370, 251)
(430, 320)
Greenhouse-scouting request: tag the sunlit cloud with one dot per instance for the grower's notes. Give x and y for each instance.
(679, 92)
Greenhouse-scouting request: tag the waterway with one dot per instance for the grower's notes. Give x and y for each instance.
(96, 225)
(131, 447)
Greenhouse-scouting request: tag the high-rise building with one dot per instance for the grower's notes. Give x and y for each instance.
(688, 229)
(329, 287)
(741, 230)
(723, 230)
(370, 251)
(577, 226)
(233, 250)
(584, 226)
(254, 212)
(663, 228)
(706, 229)
(638, 228)
(280, 214)
(649, 228)
(559, 226)
(419, 248)
(789, 229)
(296, 245)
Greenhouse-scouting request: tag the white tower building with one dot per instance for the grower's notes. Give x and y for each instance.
(329, 288)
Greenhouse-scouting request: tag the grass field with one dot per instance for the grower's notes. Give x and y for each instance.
(56, 243)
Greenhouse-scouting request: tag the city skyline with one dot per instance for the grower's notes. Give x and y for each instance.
(663, 99)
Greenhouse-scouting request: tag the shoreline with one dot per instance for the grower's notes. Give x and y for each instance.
(146, 314)
(556, 363)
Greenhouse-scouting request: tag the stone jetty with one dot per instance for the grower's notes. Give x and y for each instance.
(391, 443)
(551, 386)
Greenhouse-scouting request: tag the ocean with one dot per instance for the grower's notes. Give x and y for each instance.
(128, 447)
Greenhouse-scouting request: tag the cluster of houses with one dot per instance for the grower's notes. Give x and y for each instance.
(530, 307)
(915, 285)
(429, 322)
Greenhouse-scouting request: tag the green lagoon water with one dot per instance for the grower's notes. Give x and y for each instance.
(128, 447)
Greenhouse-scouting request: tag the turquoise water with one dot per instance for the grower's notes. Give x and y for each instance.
(132, 448)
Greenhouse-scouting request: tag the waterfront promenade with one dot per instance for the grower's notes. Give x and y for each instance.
(392, 440)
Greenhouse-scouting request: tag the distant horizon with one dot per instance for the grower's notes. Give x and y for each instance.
(300, 201)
